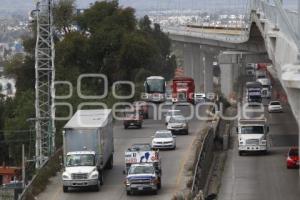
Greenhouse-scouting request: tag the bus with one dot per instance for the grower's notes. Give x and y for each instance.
(155, 89)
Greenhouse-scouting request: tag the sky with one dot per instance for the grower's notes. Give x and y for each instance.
(27, 5)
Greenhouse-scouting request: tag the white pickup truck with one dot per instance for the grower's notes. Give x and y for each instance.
(252, 135)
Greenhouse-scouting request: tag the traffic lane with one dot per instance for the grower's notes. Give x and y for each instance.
(257, 176)
(113, 188)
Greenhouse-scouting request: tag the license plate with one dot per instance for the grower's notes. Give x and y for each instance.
(140, 188)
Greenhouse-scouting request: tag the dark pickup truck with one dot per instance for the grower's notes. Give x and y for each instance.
(133, 119)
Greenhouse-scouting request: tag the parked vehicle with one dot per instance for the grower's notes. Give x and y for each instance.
(253, 92)
(133, 119)
(292, 160)
(142, 106)
(155, 89)
(252, 135)
(275, 106)
(178, 124)
(171, 113)
(88, 148)
(164, 139)
(199, 98)
(183, 89)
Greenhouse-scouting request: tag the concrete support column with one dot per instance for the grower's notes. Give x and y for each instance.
(226, 78)
(209, 59)
(188, 59)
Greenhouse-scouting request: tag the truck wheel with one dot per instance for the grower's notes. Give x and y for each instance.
(128, 192)
(96, 188)
(125, 126)
(65, 189)
(140, 126)
(110, 163)
(159, 185)
(241, 153)
(155, 192)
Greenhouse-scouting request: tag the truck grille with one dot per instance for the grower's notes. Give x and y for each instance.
(252, 142)
(79, 176)
(143, 181)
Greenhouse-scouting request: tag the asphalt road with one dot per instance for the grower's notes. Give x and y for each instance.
(113, 188)
(264, 177)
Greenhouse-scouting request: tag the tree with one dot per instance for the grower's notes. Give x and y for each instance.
(63, 15)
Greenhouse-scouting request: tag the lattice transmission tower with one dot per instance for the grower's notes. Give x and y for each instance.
(44, 83)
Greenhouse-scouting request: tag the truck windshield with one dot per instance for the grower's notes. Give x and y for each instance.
(252, 130)
(141, 170)
(155, 86)
(80, 160)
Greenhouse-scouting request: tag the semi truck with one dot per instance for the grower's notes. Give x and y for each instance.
(266, 91)
(252, 135)
(88, 148)
(253, 92)
(142, 169)
(183, 90)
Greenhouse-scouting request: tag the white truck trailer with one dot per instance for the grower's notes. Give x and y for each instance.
(253, 135)
(88, 148)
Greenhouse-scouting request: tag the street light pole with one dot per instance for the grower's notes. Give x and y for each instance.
(204, 72)
(23, 166)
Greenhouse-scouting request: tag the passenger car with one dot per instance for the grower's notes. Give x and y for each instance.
(164, 139)
(171, 113)
(292, 160)
(275, 106)
(199, 98)
(178, 124)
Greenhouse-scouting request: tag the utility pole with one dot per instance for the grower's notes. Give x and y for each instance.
(23, 166)
(44, 83)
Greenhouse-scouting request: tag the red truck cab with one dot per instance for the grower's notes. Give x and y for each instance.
(183, 89)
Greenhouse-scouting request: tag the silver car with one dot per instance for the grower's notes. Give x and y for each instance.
(178, 124)
(164, 139)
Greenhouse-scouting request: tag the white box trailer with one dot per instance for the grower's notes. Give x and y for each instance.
(88, 147)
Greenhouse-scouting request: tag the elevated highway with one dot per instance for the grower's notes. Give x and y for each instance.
(271, 37)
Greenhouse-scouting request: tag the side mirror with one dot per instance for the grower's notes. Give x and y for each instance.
(237, 130)
(268, 129)
(124, 172)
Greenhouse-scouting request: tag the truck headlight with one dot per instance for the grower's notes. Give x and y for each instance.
(66, 176)
(154, 181)
(94, 175)
(263, 142)
(127, 182)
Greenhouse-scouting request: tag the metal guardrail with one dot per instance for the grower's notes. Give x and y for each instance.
(204, 161)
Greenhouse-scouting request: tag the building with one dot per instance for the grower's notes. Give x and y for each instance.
(9, 174)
